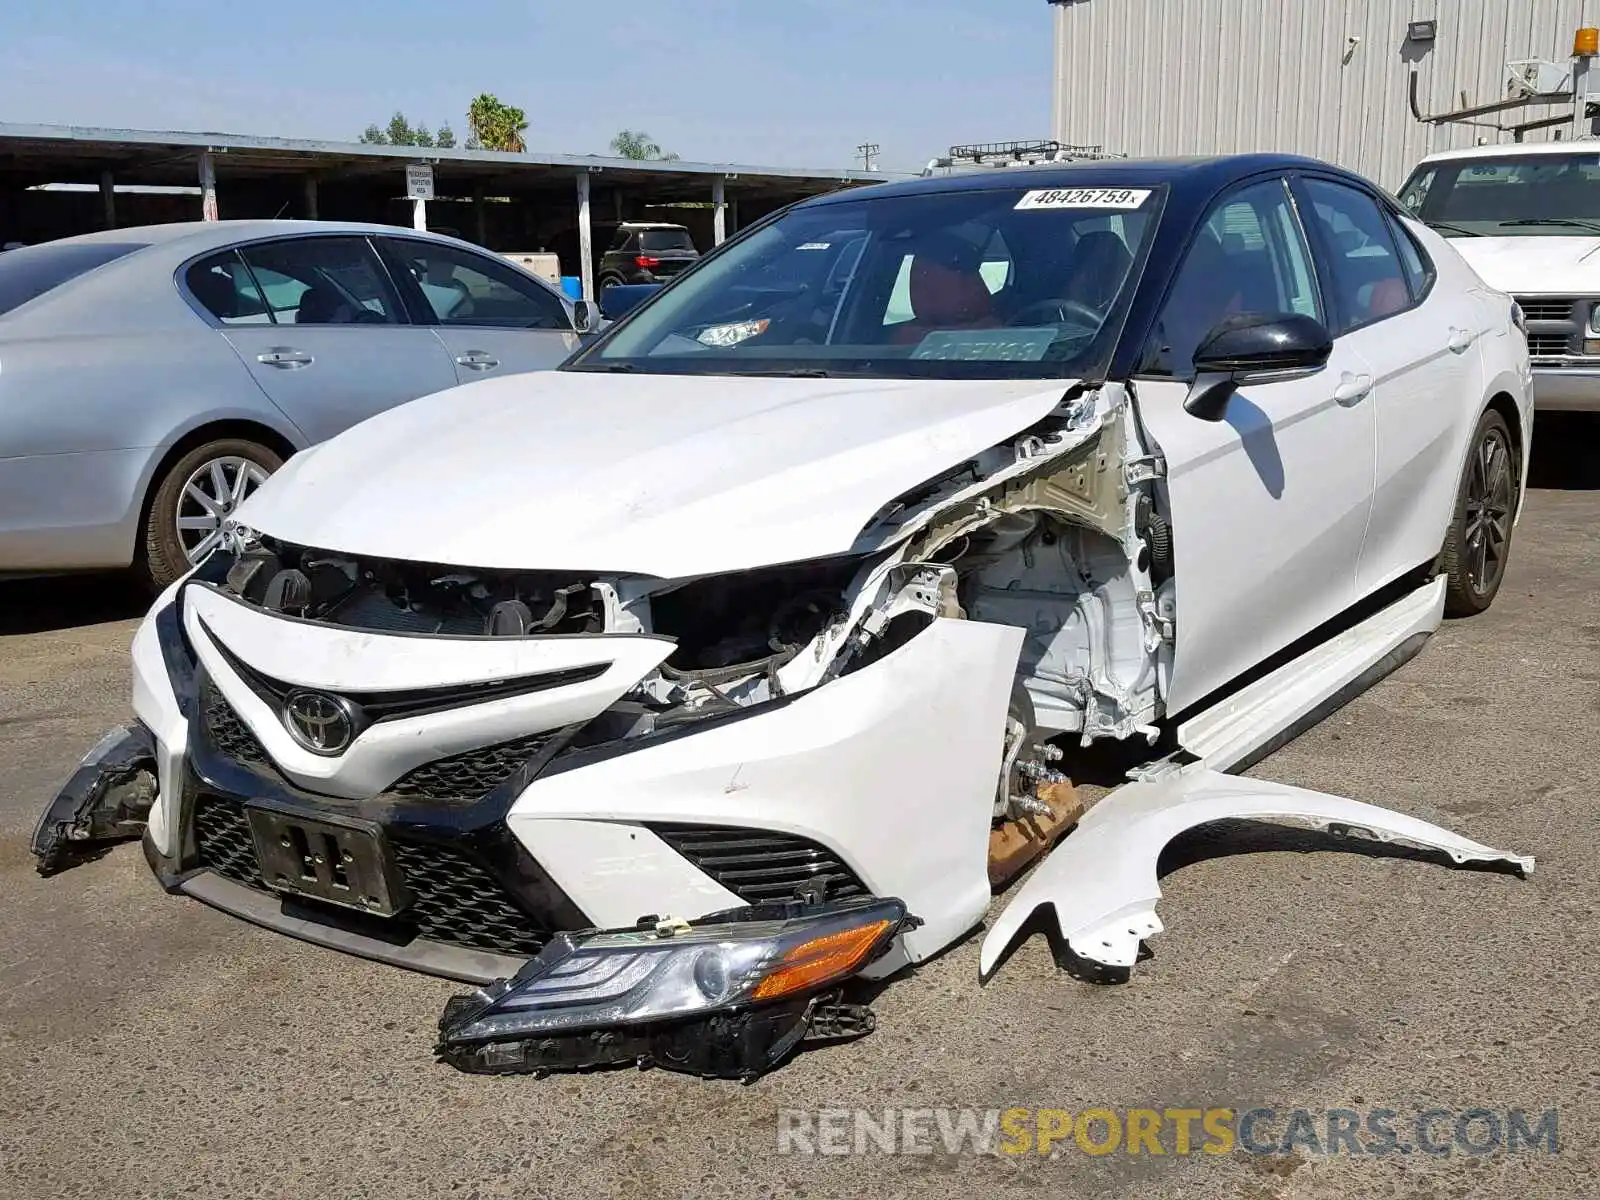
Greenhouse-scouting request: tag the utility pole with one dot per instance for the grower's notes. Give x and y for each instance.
(868, 152)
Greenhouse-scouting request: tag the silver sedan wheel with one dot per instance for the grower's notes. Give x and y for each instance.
(210, 495)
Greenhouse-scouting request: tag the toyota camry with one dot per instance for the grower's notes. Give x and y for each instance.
(757, 646)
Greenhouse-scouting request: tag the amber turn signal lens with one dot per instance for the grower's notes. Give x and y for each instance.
(819, 960)
(1586, 42)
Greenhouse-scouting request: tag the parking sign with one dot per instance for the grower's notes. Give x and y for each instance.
(419, 182)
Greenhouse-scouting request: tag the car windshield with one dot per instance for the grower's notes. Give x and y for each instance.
(977, 284)
(1532, 195)
(665, 239)
(30, 271)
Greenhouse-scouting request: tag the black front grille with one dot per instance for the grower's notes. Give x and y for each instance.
(467, 778)
(1548, 345)
(223, 840)
(759, 865)
(452, 898)
(1545, 308)
(229, 734)
(455, 900)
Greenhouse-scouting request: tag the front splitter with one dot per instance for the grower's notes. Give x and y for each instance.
(419, 954)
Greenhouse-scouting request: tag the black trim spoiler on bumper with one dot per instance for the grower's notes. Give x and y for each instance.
(274, 913)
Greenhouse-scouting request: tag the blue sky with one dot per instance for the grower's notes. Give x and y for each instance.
(797, 83)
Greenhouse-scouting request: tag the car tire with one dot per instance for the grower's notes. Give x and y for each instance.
(609, 281)
(167, 549)
(1478, 544)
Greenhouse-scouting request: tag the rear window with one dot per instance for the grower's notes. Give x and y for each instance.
(665, 239)
(30, 272)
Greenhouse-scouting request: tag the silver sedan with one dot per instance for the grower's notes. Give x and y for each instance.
(151, 378)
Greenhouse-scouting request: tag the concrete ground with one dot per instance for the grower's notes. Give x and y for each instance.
(152, 1047)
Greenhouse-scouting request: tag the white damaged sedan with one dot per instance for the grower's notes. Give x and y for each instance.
(763, 636)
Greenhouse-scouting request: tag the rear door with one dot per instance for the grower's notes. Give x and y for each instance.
(1422, 345)
(492, 318)
(1270, 504)
(328, 338)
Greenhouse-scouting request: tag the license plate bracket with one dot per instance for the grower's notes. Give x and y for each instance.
(335, 859)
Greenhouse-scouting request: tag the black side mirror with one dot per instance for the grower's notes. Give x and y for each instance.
(1249, 346)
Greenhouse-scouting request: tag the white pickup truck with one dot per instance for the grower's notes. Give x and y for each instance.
(1527, 218)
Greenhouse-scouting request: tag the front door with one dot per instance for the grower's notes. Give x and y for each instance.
(1270, 504)
(337, 348)
(493, 318)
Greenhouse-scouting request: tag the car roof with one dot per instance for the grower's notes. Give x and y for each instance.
(198, 236)
(1188, 175)
(1518, 150)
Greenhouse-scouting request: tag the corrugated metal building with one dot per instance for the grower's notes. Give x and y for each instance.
(1326, 78)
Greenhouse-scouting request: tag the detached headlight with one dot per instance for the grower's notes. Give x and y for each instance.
(726, 996)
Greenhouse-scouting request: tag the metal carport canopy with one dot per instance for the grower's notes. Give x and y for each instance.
(38, 154)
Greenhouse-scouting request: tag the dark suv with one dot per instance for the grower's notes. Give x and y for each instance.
(646, 253)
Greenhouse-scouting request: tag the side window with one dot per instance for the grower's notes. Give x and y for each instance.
(226, 289)
(1418, 267)
(1249, 256)
(470, 290)
(323, 281)
(997, 269)
(1415, 193)
(1367, 281)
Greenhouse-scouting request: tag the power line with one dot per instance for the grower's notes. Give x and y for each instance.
(868, 152)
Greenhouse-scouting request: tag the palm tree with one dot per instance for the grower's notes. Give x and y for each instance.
(636, 144)
(496, 126)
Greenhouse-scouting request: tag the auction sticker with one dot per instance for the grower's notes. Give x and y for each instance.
(1125, 198)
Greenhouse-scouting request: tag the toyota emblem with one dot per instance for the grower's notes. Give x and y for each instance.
(319, 722)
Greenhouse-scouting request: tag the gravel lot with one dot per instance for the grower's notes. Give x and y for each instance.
(152, 1047)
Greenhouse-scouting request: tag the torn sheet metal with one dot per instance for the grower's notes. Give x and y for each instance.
(1101, 880)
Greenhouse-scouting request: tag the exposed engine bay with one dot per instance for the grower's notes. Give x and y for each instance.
(1051, 532)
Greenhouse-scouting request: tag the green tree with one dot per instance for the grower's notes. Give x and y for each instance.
(496, 126)
(446, 138)
(400, 132)
(636, 144)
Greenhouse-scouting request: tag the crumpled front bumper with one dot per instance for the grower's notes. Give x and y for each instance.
(880, 781)
(107, 800)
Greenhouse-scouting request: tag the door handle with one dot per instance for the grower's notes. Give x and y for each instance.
(285, 358)
(1352, 388)
(1461, 339)
(478, 360)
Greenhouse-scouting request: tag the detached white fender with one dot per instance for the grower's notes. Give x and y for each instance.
(1101, 880)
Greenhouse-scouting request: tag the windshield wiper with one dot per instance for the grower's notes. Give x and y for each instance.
(1447, 227)
(1571, 223)
(621, 367)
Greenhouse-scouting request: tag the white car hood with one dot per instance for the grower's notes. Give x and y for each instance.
(670, 476)
(1535, 266)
